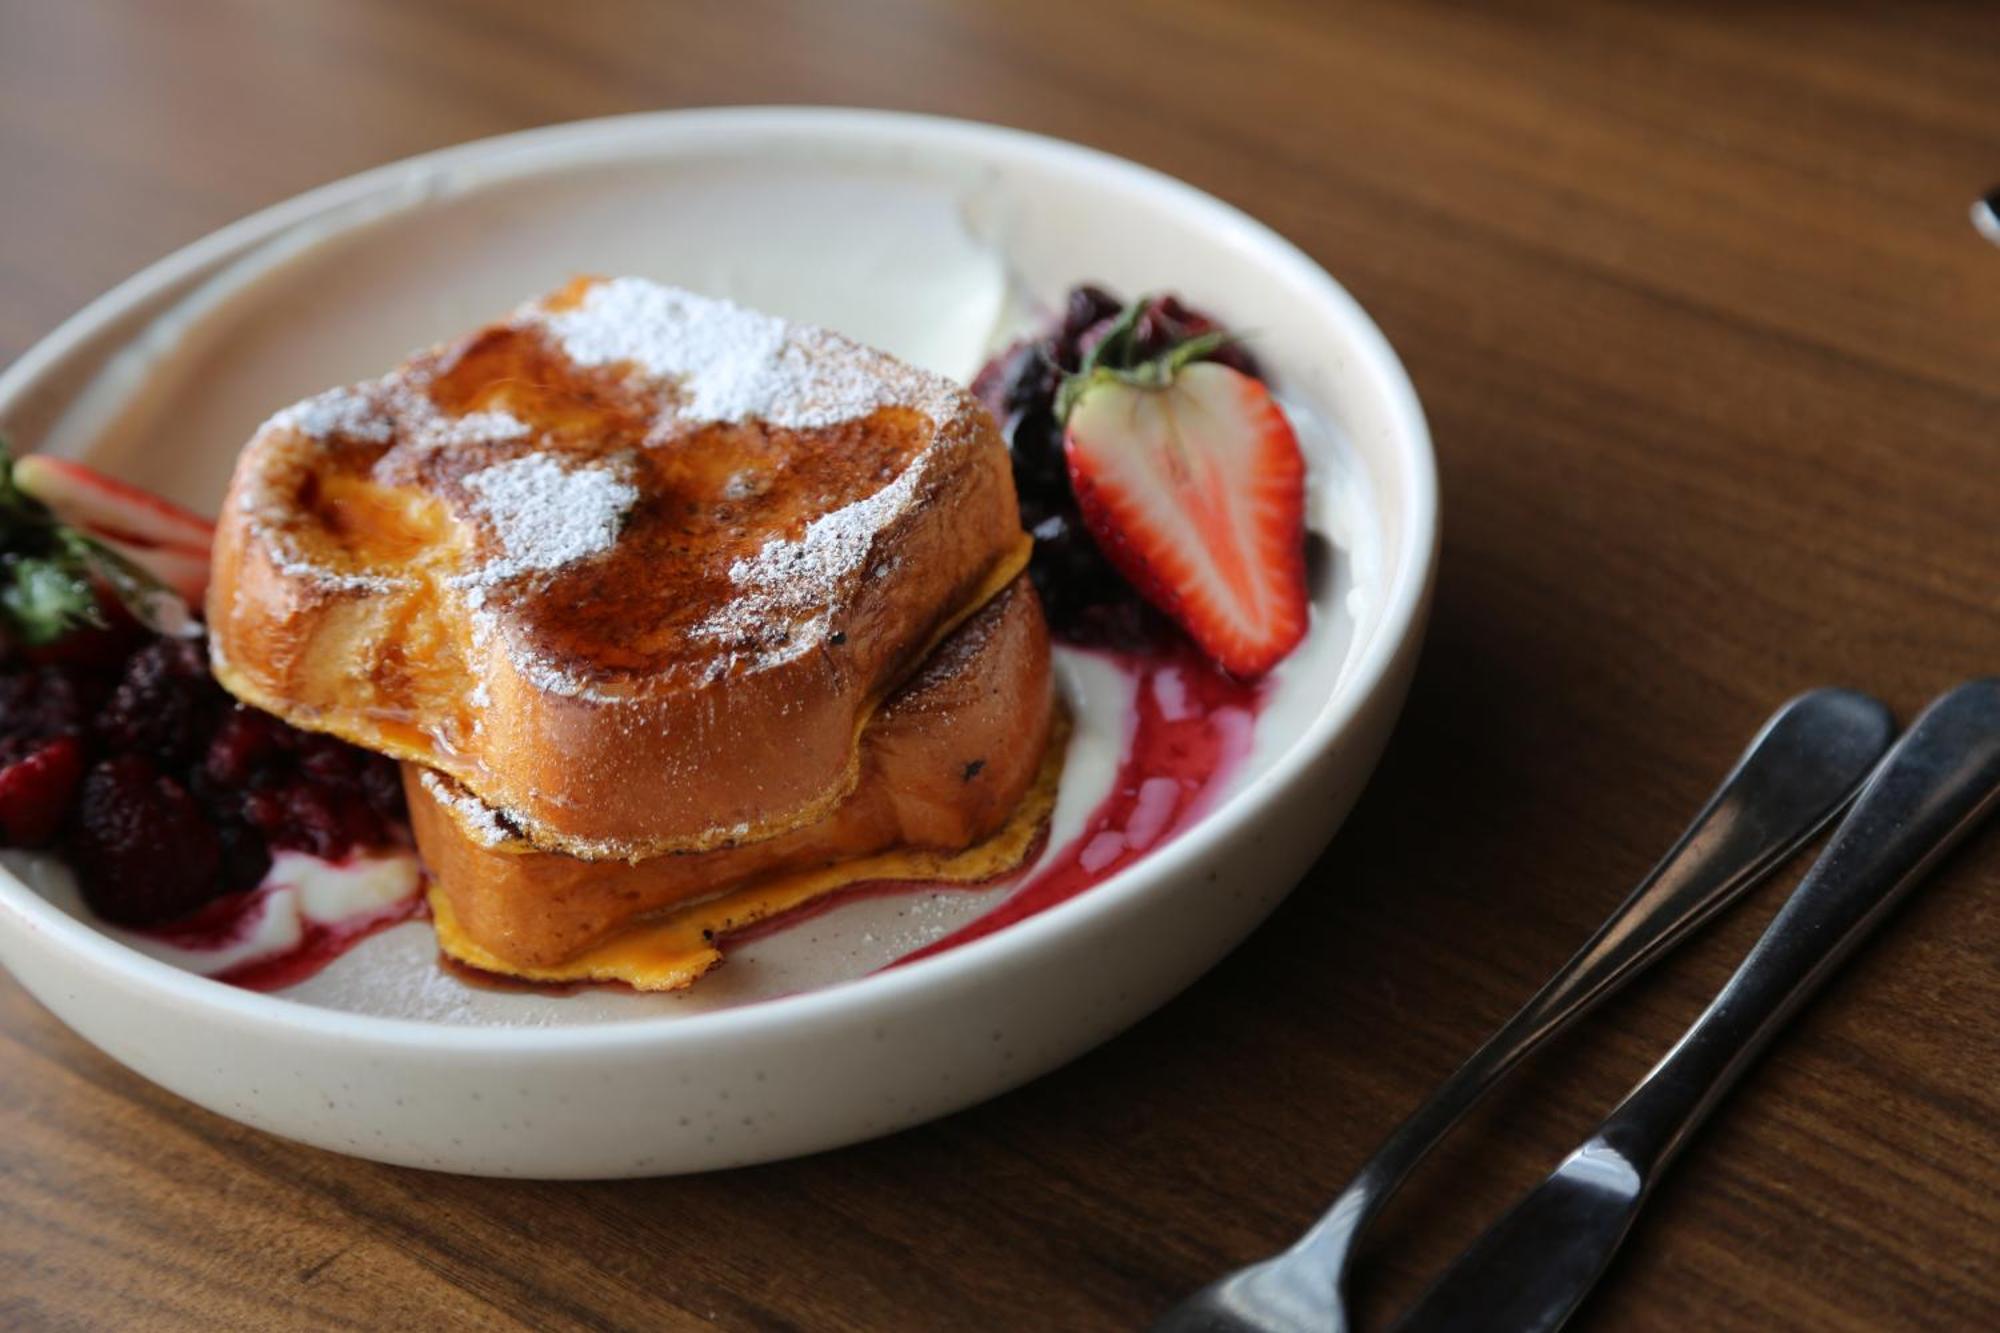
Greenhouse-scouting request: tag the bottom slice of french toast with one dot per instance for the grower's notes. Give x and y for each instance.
(959, 769)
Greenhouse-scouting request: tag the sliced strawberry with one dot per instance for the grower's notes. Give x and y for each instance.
(183, 571)
(37, 780)
(111, 509)
(1190, 479)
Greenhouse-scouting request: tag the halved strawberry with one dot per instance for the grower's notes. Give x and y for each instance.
(111, 509)
(164, 540)
(1190, 479)
(183, 571)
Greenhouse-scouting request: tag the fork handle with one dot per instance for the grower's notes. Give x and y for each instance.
(1930, 791)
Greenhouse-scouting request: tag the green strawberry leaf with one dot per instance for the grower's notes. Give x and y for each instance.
(44, 599)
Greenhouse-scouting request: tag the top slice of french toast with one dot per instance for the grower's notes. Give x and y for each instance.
(632, 565)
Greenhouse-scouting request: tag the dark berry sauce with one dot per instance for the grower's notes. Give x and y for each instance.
(323, 943)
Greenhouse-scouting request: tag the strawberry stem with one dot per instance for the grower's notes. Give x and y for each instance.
(1114, 350)
(1110, 361)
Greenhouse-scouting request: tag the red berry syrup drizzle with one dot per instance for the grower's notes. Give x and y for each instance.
(321, 943)
(235, 916)
(1191, 725)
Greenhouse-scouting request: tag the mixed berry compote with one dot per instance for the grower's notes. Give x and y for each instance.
(120, 753)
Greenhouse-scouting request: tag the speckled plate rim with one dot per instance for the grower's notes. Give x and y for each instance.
(1405, 593)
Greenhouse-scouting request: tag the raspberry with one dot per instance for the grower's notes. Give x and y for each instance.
(264, 810)
(358, 820)
(37, 779)
(93, 648)
(312, 821)
(328, 822)
(142, 850)
(190, 790)
(329, 762)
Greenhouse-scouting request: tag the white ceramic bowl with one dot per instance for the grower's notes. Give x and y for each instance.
(863, 220)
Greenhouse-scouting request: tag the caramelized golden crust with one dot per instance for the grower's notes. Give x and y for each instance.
(943, 765)
(633, 566)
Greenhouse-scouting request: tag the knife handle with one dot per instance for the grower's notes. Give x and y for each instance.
(1928, 792)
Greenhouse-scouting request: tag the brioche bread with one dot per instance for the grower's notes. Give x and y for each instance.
(633, 567)
(945, 763)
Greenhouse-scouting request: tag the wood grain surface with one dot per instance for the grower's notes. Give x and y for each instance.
(1709, 350)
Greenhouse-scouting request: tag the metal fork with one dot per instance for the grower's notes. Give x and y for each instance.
(1798, 773)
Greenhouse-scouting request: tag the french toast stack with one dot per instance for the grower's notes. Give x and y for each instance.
(676, 614)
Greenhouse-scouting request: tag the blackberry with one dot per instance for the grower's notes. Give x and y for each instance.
(244, 744)
(37, 702)
(165, 705)
(142, 851)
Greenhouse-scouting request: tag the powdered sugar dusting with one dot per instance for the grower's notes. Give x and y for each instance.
(732, 364)
(344, 411)
(477, 818)
(336, 580)
(796, 582)
(546, 516)
(718, 351)
(394, 409)
(472, 428)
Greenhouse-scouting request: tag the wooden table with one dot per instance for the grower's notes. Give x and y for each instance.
(1709, 351)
